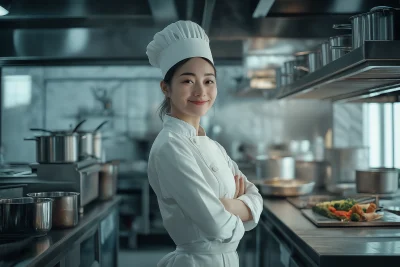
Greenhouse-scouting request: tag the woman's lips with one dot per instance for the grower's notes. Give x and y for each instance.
(199, 103)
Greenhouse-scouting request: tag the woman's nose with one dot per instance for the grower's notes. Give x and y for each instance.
(200, 90)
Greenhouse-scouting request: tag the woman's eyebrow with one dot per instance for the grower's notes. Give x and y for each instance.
(188, 73)
(192, 74)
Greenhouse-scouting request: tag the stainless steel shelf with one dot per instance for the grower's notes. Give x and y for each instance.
(368, 71)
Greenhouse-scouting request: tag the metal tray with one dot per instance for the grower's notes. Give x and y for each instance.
(388, 219)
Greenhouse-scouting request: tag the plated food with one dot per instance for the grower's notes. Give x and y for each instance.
(347, 210)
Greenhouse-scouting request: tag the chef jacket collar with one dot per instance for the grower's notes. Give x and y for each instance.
(181, 127)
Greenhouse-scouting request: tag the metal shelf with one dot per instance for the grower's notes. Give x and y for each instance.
(368, 71)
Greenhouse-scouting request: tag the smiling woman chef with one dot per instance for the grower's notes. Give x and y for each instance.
(205, 201)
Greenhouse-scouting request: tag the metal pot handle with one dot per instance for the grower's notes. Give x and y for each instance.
(101, 125)
(41, 130)
(346, 48)
(302, 68)
(29, 139)
(342, 26)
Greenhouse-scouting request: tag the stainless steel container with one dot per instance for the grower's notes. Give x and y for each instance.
(108, 180)
(57, 148)
(326, 53)
(25, 216)
(97, 145)
(312, 171)
(85, 145)
(272, 167)
(377, 180)
(340, 45)
(381, 23)
(343, 163)
(287, 72)
(284, 188)
(314, 61)
(65, 207)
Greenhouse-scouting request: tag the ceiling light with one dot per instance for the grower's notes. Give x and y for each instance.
(5, 7)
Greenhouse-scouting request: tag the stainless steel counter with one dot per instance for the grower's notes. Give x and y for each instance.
(50, 249)
(333, 246)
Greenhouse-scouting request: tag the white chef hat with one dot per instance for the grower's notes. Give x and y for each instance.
(176, 42)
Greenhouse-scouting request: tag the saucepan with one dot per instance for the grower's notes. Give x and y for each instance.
(58, 147)
(90, 143)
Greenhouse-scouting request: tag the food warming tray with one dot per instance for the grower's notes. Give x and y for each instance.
(388, 219)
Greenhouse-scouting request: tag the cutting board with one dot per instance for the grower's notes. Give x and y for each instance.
(388, 219)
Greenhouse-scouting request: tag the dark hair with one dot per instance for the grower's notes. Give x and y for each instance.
(165, 106)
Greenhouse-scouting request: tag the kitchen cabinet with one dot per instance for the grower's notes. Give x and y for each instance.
(93, 242)
(274, 250)
(247, 250)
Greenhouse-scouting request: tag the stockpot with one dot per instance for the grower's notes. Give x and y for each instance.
(25, 216)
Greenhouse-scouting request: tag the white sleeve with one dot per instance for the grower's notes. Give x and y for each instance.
(251, 198)
(182, 180)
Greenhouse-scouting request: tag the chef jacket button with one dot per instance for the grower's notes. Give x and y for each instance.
(194, 140)
(214, 168)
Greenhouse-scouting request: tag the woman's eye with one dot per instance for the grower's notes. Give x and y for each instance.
(209, 82)
(187, 81)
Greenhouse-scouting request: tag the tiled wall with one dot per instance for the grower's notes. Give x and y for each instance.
(348, 125)
(58, 93)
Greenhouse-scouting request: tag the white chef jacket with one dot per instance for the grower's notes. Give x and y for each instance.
(189, 174)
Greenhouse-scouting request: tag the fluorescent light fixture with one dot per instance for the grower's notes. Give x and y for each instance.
(5, 7)
(3, 11)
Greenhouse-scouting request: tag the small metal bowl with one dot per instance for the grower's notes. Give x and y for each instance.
(65, 207)
(285, 188)
(25, 216)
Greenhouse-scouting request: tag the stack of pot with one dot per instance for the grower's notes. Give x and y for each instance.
(381, 23)
(68, 146)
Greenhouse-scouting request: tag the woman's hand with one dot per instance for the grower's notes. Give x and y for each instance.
(236, 206)
(240, 187)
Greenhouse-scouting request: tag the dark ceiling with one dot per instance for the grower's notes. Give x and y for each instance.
(228, 18)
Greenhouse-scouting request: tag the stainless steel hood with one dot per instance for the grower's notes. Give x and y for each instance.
(118, 31)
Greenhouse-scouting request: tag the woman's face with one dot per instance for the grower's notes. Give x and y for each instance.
(193, 89)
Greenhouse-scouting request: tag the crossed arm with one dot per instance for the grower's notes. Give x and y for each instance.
(235, 205)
